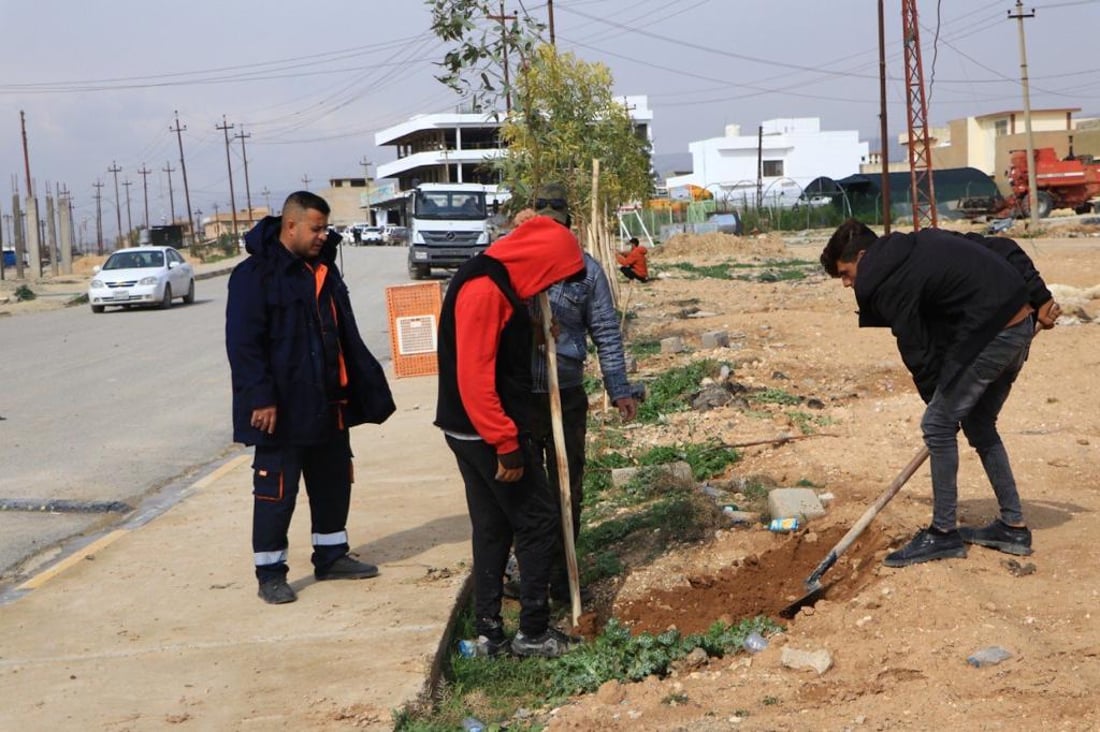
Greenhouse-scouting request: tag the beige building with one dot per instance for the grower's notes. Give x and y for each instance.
(986, 142)
(347, 197)
(221, 223)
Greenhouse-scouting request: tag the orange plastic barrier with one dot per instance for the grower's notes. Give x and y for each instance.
(414, 325)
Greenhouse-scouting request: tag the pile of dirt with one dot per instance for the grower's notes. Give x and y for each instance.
(727, 246)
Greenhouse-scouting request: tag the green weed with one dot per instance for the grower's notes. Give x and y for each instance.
(669, 392)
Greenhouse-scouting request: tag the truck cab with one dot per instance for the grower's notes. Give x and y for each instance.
(448, 224)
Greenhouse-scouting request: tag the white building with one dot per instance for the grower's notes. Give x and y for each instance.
(776, 163)
(459, 147)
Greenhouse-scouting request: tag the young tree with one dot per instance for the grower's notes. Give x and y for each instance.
(485, 43)
(565, 117)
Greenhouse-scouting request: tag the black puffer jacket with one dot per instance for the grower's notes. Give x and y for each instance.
(272, 336)
(943, 296)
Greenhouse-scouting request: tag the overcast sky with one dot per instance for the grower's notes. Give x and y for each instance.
(311, 83)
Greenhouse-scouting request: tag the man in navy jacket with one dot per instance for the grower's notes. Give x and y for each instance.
(302, 377)
(963, 310)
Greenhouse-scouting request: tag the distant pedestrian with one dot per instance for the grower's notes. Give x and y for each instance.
(302, 377)
(633, 263)
(963, 310)
(484, 408)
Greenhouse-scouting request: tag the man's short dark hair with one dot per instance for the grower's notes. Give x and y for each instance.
(305, 201)
(849, 239)
(634, 240)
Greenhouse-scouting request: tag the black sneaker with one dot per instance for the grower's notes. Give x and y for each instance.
(550, 644)
(999, 535)
(927, 545)
(277, 592)
(346, 568)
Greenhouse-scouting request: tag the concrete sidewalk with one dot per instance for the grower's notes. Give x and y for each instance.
(158, 622)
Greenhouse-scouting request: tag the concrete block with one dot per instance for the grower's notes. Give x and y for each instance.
(800, 503)
(679, 471)
(675, 344)
(715, 339)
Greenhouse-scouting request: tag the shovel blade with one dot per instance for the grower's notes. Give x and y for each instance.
(816, 592)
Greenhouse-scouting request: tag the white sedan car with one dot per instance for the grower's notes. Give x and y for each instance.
(142, 276)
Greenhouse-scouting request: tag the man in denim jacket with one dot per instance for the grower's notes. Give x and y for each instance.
(581, 309)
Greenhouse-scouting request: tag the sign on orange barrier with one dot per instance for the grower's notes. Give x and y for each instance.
(414, 326)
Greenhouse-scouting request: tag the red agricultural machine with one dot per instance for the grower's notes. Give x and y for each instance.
(1069, 182)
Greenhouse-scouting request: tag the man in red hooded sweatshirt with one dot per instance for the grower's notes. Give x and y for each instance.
(484, 349)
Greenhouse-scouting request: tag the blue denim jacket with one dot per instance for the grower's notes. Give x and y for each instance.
(584, 309)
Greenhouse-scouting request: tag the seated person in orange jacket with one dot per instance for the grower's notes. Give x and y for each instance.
(633, 262)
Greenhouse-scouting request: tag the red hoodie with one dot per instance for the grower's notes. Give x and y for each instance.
(536, 254)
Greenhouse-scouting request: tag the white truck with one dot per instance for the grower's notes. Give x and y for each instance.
(448, 224)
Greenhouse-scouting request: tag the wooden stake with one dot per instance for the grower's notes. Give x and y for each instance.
(562, 460)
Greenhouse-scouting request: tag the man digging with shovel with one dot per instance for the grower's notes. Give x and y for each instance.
(963, 310)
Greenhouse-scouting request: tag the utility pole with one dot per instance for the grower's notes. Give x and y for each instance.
(306, 179)
(118, 204)
(759, 167)
(1032, 194)
(504, 45)
(198, 220)
(98, 217)
(922, 186)
(144, 173)
(183, 169)
(129, 221)
(20, 245)
(171, 199)
(550, 13)
(267, 199)
(366, 167)
(247, 189)
(225, 127)
(883, 129)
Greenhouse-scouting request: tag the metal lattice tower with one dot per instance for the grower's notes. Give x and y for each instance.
(923, 193)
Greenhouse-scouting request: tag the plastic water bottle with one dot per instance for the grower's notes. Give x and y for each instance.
(990, 656)
(467, 648)
(473, 724)
(754, 642)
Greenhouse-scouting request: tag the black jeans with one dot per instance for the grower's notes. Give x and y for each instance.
(632, 275)
(973, 402)
(276, 472)
(574, 408)
(500, 512)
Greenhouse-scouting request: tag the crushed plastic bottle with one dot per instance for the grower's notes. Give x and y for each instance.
(990, 656)
(467, 648)
(754, 642)
(784, 524)
(473, 724)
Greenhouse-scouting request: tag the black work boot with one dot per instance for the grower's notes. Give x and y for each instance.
(999, 535)
(346, 568)
(276, 591)
(927, 545)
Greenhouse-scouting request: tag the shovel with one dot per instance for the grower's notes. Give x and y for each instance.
(814, 589)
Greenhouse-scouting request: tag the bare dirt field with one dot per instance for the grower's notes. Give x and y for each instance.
(898, 639)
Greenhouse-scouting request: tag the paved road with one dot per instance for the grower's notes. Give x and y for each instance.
(99, 409)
